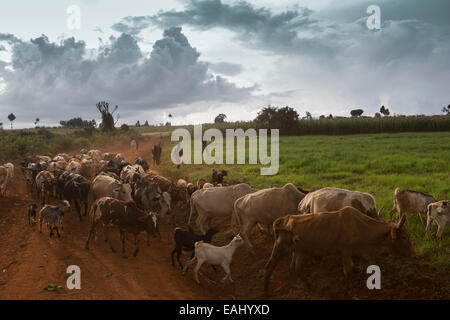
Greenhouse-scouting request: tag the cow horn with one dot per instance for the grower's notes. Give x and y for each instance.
(380, 214)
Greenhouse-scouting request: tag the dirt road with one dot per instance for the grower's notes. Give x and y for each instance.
(29, 260)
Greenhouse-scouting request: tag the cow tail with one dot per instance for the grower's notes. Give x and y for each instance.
(192, 210)
(92, 219)
(235, 219)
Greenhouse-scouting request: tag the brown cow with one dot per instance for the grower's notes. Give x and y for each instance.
(346, 232)
(126, 216)
(177, 193)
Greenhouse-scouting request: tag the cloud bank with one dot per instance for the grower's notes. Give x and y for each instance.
(57, 80)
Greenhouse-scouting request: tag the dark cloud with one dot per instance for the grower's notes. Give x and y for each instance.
(131, 25)
(59, 81)
(10, 38)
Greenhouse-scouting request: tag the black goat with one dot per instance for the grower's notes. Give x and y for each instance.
(217, 176)
(186, 239)
(32, 213)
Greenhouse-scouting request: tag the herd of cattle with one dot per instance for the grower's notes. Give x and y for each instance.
(133, 198)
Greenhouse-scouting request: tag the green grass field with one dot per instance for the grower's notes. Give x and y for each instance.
(373, 163)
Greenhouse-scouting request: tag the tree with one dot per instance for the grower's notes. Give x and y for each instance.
(377, 115)
(384, 111)
(78, 123)
(330, 116)
(357, 112)
(108, 123)
(446, 110)
(146, 123)
(285, 119)
(36, 121)
(138, 123)
(11, 118)
(308, 115)
(220, 118)
(1, 125)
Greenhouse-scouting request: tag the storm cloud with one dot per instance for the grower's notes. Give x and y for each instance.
(59, 80)
(402, 64)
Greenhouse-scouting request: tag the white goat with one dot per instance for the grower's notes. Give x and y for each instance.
(438, 213)
(205, 252)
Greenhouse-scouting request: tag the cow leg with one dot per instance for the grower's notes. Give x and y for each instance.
(277, 251)
(427, 228)
(77, 205)
(85, 208)
(201, 221)
(109, 240)
(439, 233)
(421, 220)
(40, 225)
(299, 269)
(91, 233)
(136, 243)
(347, 264)
(247, 227)
(171, 255)
(123, 238)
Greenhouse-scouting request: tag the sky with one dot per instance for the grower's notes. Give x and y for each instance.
(194, 59)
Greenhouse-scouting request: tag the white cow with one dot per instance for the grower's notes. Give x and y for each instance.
(106, 186)
(264, 207)
(216, 202)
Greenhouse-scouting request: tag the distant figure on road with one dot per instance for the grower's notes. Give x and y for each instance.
(156, 152)
(133, 146)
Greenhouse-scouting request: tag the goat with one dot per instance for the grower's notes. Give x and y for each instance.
(411, 201)
(205, 252)
(217, 176)
(32, 213)
(186, 239)
(53, 216)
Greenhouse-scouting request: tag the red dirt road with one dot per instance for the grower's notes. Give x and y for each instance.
(29, 260)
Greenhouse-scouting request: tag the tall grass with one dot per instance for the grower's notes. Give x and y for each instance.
(336, 126)
(16, 144)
